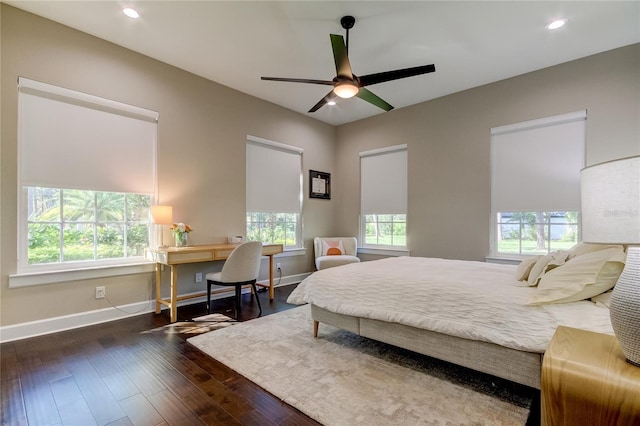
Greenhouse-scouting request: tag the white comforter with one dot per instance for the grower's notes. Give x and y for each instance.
(472, 300)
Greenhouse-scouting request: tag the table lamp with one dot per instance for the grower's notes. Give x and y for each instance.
(162, 215)
(611, 215)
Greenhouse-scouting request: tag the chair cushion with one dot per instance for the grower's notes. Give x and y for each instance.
(214, 276)
(332, 248)
(324, 262)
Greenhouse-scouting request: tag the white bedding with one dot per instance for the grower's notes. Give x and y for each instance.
(472, 300)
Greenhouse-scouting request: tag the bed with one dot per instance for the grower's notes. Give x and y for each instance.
(475, 314)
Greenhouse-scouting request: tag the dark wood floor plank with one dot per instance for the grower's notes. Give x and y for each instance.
(39, 403)
(120, 385)
(101, 402)
(65, 391)
(76, 412)
(174, 410)
(12, 408)
(8, 363)
(140, 411)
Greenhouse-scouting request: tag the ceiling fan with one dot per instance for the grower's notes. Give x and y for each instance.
(346, 84)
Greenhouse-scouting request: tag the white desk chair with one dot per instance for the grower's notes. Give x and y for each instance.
(241, 268)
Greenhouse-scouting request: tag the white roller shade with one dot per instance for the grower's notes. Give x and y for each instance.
(536, 164)
(70, 139)
(274, 177)
(383, 181)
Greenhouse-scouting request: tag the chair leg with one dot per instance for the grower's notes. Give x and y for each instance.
(238, 295)
(208, 296)
(255, 292)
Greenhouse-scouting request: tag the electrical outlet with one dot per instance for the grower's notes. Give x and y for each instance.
(198, 278)
(100, 292)
(278, 266)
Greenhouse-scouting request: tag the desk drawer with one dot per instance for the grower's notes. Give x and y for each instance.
(190, 257)
(222, 254)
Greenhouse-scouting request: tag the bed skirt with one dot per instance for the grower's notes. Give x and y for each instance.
(511, 364)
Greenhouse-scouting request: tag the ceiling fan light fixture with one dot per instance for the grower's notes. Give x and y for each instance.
(557, 24)
(131, 13)
(346, 90)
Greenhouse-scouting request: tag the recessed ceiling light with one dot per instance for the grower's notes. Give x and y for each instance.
(556, 24)
(131, 13)
(331, 103)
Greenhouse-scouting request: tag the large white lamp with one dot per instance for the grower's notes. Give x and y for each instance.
(162, 215)
(611, 214)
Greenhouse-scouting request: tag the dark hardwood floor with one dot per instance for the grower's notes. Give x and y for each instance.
(114, 374)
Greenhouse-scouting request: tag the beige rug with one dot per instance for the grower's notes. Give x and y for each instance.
(344, 379)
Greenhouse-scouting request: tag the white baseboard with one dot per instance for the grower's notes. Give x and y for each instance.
(67, 322)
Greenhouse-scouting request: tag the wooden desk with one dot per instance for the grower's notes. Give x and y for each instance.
(174, 256)
(587, 381)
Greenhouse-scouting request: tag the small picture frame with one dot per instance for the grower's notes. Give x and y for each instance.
(319, 185)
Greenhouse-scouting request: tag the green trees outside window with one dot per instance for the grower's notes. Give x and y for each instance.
(66, 225)
(532, 233)
(386, 229)
(272, 228)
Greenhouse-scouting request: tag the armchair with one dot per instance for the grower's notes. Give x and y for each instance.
(335, 251)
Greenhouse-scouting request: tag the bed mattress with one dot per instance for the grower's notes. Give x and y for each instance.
(472, 300)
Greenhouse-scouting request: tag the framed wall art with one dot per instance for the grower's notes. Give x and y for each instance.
(319, 185)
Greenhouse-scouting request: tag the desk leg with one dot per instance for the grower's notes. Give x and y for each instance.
(158, 282)
(271, 291)
(174, 293)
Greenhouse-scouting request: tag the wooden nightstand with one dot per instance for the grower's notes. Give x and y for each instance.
(587, 381)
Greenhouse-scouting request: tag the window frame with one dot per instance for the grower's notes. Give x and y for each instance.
(523, 200)
(104, 109)
(288, 149)
(96, 223)
(547, 223)
(399, 203)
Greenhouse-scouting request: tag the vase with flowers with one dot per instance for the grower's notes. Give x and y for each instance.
(180, 232)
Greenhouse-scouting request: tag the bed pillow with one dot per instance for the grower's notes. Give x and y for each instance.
(603, 299)
(584, 248)
(332, 248)
(580, 278)
(525, 267)
(544, 264)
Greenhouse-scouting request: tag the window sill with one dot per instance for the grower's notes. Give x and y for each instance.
(52, 277)
(502, 260)
(384, 251)
(301, 251)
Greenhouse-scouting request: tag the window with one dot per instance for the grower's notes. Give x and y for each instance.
(274, 192)
(532, 233)
(535, 184)
(79, 225)
(383, 192)
(87, 176)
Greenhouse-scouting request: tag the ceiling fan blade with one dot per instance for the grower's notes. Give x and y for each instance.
(381, 77)
(340, 56)
(330, 96)
(368, 96)
(299, 80)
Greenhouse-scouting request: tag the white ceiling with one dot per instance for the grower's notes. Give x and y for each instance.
(471, 42)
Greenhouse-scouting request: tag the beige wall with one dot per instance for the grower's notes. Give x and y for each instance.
(201, 153)
(449, 143)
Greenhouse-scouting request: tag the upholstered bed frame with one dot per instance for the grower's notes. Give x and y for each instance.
(511, 364)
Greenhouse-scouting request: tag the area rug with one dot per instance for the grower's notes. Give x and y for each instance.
(344, 379)
(196, 326)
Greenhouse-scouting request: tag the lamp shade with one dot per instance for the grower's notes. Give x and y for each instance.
(610, 196)
(162, 215)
